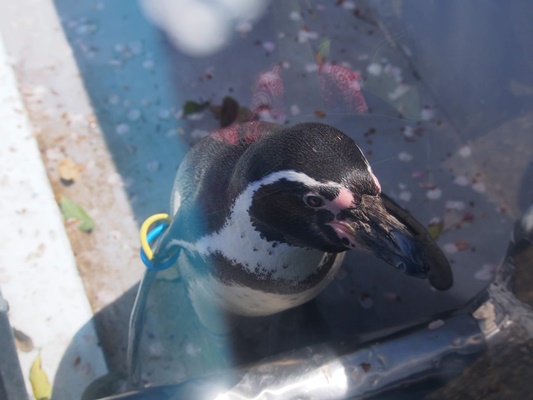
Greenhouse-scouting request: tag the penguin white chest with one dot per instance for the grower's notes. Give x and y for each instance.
(259, 295)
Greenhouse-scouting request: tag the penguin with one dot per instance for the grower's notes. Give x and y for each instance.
(264, 214)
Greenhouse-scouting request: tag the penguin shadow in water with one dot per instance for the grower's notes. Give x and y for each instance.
(193, 348)
(255, 338)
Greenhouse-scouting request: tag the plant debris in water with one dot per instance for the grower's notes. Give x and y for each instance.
(230, 112)
(435, 229)
(193, 107)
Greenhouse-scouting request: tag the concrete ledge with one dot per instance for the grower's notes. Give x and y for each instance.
(38, 273)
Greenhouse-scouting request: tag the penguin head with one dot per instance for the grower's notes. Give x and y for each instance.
(312, 187)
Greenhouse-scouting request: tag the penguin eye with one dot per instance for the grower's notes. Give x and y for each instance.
(314, 201)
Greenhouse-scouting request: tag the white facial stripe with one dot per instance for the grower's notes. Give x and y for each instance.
(292, 176)
(374, 177)
(176, 201)
(238, 239)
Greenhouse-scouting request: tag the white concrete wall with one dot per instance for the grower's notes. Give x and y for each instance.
(38, 273)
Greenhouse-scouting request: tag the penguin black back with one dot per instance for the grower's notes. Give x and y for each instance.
(317, 150)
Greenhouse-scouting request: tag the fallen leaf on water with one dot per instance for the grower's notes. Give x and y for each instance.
(73, 211)
(323, 51)
(435, 229)
(69, 170)
(192, 107)
(42, 390)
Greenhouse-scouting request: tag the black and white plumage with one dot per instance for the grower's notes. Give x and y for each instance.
(263, 215)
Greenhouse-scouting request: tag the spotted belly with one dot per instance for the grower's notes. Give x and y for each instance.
(221, 284)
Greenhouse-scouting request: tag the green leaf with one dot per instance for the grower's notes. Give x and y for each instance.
(193, 107)
(435, 229)
(323, 51)
(72, 210)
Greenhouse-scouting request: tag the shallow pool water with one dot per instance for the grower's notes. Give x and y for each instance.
(447, 130)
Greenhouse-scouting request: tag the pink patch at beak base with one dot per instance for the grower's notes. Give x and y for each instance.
(345, 232)
(343, 201)
(374, 177)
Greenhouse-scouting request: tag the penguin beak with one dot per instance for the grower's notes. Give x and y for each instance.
(379, 226)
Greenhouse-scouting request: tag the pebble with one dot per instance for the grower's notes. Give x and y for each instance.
(348, 5)
(163, 114)
(269, 46)
(479, 187)
(405, 196)
(295, 110)
(461, 180)
(311, 67)
(409, 132)
(191, 350)
(198, 134)
(405, 157)
(243, 27)
(450, 248)
(455, 205)
(374, 69)
(113, 179)
(366, 301)
(295, 16)
(148, 64)
(153, 165)
(122, 129)
(398, 92)
(434, 194)
(426, 114)
(304, 36)
(171, 133)
(113, 99)
(486, 273)
(136, 47)
(436, 324)
(465, 151)
(134, 114)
